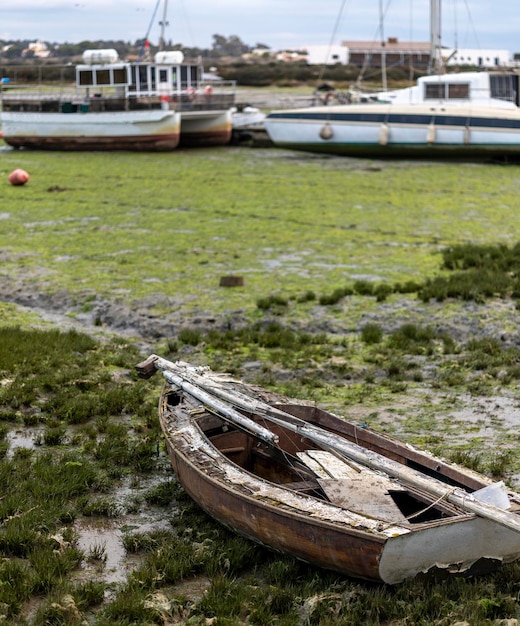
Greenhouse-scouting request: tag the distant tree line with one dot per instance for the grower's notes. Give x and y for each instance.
(290, 74)
(221, 47)
(225, 54)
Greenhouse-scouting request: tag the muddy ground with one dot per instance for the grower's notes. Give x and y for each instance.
(463, 417)
(462, 321)
(491, 420)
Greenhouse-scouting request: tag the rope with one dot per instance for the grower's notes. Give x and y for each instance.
(439, 499)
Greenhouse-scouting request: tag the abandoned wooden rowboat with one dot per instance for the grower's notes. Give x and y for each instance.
(303, 481)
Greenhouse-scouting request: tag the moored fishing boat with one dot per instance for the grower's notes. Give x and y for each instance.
(123, 130)
(303, 481)
(142, 105)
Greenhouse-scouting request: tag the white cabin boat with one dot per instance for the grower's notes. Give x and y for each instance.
(470, 115)
(119, 105)
(467, 115)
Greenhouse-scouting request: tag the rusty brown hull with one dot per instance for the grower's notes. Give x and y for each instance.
(205, 128)
(164, 143)
(205, 139)
(141, 130)
(323, 544)
(281, 488)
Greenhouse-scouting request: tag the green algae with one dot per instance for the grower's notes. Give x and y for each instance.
(137, 225)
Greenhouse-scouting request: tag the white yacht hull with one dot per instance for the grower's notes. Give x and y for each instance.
(398, 130)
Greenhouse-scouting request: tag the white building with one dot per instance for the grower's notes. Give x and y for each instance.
(259, 53)
(327, 55)
(479, 58)
(291, 56)
(39, 48)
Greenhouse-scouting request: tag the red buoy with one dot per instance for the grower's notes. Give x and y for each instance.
(18, 177)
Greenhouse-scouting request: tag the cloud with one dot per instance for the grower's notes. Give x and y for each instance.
(278, 23)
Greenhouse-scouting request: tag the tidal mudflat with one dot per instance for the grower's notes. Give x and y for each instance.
(106, 256)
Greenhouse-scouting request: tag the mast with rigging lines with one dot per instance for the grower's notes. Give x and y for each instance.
(435, 65)
(163, 23)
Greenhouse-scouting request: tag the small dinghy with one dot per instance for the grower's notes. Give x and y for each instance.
(303, 481)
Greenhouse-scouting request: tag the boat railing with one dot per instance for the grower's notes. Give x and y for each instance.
(271, 100)
(33, 98)
(33, 92)
(36, 100)
(202, 101)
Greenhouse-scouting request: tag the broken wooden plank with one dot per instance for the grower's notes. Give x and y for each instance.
(327, 465)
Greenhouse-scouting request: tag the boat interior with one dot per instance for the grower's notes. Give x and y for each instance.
(298, 464)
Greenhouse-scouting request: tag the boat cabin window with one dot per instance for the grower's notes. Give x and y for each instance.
(184, 76)
(446, 91)
(190, 76)
(458, 91)
(85, 78)
(504, 87)
(143, 77)
(434, 91)
(120, 77)
(102, 76)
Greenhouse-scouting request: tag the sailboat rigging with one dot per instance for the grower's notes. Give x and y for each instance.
(435, 37)
(145, 48)
(464, 115)
(163, 24)
(383, 46)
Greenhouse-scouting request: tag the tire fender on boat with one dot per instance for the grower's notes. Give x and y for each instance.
(191, 92)
(327, 98)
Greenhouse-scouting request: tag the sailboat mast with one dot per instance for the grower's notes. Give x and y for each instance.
(435, 36)
(383, 45)
(163, 24)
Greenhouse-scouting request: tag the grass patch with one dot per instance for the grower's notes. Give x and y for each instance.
(49, 484)
(82, 461)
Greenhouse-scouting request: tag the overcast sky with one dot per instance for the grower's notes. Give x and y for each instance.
(277, 23)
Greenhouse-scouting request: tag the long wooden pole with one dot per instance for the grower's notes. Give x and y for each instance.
(406, 475)
(222, 408)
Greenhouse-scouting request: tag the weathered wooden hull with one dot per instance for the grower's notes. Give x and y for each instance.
(149, 130)
(277, 526)
(389, 131)
(205, 128)
(264, 493)
(469, 547)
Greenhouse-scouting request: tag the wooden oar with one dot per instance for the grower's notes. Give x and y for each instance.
(405, 475)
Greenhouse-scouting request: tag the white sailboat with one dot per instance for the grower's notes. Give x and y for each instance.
(469, 115)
